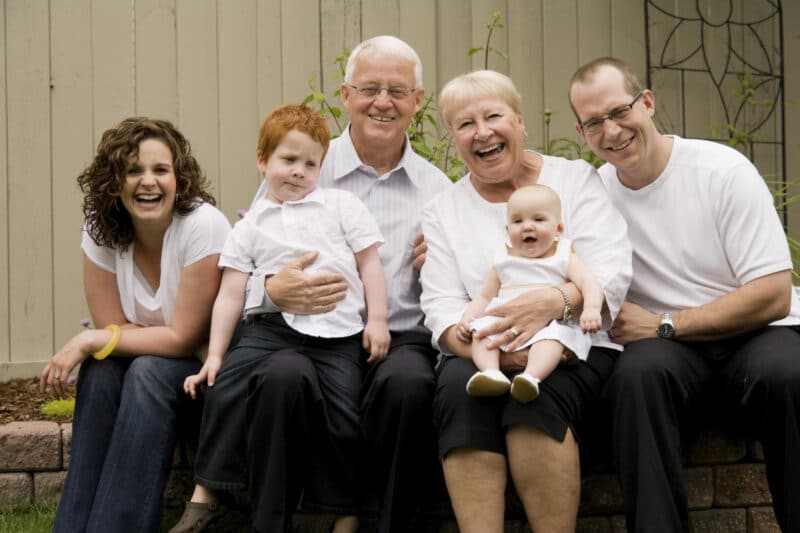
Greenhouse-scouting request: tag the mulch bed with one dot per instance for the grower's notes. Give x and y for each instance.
(21, 400)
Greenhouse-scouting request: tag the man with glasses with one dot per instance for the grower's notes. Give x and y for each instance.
(373, 159)
(710, 314)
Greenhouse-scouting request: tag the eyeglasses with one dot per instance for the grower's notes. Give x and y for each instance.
(595, 125)
(396, 92)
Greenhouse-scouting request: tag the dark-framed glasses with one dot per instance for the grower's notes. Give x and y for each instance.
(395, 92)
(595, 125)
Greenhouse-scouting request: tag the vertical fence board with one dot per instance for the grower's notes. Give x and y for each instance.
(156, 68)
(300, 47)
(791, 72)
(71, 100)
(418, 28)
(113, 86)
(525, 58)
(380, 17)
(29, 181)
(197, 82)
(453, 39)
(269, 58)
(238, 104)
(5, 252)
(340, 29)
(560, 36)
(594, 39)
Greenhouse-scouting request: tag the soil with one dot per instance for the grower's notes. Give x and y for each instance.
(21, 400)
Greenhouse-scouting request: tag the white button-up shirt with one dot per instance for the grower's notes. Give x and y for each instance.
(273, 235)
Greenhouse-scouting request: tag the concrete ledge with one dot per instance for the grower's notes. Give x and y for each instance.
(725, 481)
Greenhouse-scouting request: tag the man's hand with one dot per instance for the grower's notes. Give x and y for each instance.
(420, 248)
(633, 323)
(513, 361)
(294, 291)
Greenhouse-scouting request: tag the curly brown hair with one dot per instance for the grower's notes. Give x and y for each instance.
(106, 219)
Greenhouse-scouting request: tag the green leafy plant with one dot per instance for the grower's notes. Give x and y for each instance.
(59, 408)
(495, 23)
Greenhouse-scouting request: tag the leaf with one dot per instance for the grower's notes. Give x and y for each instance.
(473, 51)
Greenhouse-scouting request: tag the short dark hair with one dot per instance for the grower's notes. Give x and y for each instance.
(586, 73)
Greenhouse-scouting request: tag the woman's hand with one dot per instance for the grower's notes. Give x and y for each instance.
(522, 317)
(376, 340)
(78, 348)
(207, 374)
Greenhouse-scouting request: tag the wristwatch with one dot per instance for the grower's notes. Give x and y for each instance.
(567, 304)
(666, 329)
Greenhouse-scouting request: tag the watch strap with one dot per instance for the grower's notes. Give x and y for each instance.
(567, 304)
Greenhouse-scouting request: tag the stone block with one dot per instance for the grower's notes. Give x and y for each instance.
(600, 494)
(47, 486)
(618, 524)
(31, 446)
(699, 483)
(593, 524)
(15, 490)
(762, 520)
(718, 521)
(741, 485)
(713, 446)
(66, 444)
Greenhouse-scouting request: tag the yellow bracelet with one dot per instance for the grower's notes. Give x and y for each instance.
(106, 350)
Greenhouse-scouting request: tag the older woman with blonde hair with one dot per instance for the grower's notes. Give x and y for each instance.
(483, 438)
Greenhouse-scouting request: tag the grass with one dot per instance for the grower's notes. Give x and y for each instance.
(31, 518)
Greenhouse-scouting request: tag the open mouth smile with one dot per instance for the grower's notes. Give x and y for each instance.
(148, 198)
(381, 119)
(620, 146)
(494, 149)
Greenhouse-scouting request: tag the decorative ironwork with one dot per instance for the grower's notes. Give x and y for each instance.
(724, 60)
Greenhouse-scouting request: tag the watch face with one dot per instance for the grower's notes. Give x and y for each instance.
(666, 330)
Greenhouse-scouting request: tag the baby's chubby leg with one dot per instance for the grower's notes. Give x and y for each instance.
(488, 380)
(543, 357)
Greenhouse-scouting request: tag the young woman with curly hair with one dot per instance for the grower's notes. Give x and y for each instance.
(151, 243)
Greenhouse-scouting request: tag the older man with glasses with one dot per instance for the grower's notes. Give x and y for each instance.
(710, 317)
(372, 159)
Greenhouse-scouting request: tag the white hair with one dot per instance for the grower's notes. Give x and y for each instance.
(389, 45)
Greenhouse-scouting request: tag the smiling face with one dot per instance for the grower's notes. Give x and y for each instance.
(380, 120)
(148, 193)
(630, 144)
(489, 136)
(292, 169)
(534, 221)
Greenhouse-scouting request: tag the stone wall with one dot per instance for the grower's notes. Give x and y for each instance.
(725, 480)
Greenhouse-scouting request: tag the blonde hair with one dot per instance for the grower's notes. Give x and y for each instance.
(473, 86)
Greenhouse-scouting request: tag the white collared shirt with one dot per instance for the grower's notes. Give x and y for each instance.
(272, 235)
(395, 199)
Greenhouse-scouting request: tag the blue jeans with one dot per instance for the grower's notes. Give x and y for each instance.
(124, 433)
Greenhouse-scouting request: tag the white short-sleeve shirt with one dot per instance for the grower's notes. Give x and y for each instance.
(272, 235)
(705, 227)
(189, 238)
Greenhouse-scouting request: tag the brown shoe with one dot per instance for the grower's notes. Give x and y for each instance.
(198, 516)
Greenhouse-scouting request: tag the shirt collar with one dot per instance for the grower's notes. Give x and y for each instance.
(315, 196)
(347, 160)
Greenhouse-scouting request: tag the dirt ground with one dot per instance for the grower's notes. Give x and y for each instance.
(21, 400)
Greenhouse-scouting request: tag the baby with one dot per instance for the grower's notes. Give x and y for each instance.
(536, 257)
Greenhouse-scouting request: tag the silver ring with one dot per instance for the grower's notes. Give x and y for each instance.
(611, 332)
(514, 331)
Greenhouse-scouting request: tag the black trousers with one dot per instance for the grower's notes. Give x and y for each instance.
(658, 385)
(401, 467)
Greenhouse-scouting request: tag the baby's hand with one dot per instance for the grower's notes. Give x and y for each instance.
(590, 321)
(464, 328)
(376, 339)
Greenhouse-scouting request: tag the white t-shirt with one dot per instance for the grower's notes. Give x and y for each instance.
(463, 230)
(188, 239)
(272, 235)
(705, 227)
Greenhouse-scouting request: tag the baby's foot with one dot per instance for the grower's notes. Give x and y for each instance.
(525, 388)
(488, 383)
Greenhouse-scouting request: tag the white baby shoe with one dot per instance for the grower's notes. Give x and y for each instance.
(488, 383)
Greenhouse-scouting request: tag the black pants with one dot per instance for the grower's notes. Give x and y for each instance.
(401, 467)
(656, 387)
